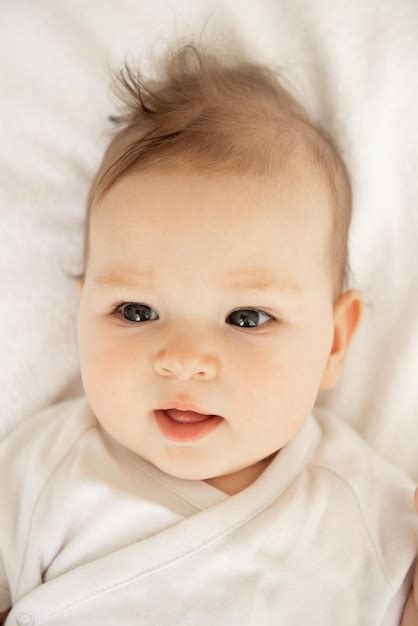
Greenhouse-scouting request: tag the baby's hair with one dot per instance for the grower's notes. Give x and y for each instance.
(208, 113)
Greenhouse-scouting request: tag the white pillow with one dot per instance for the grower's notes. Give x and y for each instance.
(354, 66)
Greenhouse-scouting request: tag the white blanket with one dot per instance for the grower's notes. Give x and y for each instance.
(354, 66)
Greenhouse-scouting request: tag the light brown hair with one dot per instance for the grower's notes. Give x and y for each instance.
(208, 113)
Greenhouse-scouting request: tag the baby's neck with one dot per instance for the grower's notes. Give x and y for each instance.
(240, 480)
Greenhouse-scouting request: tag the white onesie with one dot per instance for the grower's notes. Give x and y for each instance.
(93, 534)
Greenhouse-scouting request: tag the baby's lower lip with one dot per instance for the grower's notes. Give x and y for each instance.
(186, 431)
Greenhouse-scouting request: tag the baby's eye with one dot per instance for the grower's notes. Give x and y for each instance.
(133, 312)
(136, 312)
(247, 318)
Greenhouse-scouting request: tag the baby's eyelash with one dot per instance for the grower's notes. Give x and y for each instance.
(115, 306)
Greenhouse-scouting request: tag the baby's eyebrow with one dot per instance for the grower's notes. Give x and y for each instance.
(251, 279)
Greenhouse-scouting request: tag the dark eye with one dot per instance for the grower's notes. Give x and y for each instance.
(245, 318)
(248, 318)
(134, 312)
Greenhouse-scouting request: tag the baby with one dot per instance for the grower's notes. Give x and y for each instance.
(195, 483)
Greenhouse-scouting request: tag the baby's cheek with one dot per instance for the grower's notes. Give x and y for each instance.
(103, 348)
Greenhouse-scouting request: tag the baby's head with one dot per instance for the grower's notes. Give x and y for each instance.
(216, 266)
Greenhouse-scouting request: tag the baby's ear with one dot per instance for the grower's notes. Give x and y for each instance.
(348, 312)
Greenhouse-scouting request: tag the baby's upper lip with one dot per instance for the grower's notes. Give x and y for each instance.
(184, 406)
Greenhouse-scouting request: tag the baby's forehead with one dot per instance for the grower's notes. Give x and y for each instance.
(296, 200)
(248, 234)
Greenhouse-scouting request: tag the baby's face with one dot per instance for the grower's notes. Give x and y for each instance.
(202, 239)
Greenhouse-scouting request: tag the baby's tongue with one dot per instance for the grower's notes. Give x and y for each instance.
(186, 416)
